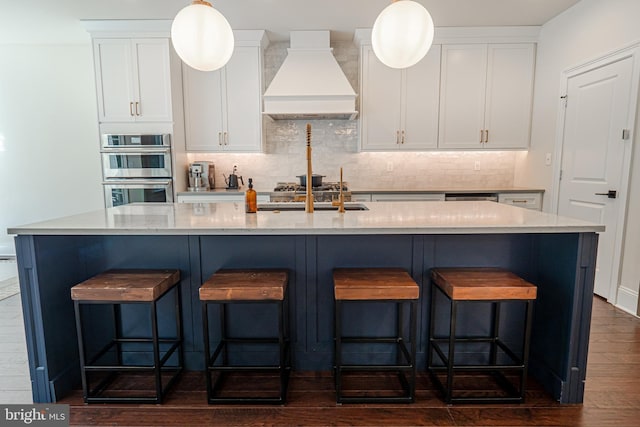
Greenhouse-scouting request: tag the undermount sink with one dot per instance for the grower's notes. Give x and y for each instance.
(295, 206)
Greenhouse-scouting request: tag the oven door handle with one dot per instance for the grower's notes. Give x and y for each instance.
(136, 150)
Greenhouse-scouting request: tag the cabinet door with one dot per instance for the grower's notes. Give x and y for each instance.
(243, 101)
(462, 95)
(152, 80)
(114, 80)
(380, 104)
(202, 109)
(509, 94)
(422, 101)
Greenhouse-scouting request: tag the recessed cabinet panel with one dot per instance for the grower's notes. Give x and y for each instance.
(223, 107)
(114, 79)
(399, 107)
(509, 95)
(380, 103)
(203, 112)
(133, 80)
(422, 91)
(486, 93)
(462, 101)
(153, 80)
(244, 119)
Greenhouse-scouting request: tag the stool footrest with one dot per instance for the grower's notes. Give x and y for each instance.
(376, 367)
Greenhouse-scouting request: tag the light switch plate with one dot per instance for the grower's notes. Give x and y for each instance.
(547, 159)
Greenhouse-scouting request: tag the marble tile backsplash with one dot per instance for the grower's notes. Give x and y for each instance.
(335, 144)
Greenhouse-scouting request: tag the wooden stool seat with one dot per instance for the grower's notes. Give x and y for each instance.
(485, 354)
(255, 285)
(475, 284)
(126, 285)
(354, 286)
(156, 354)
(224, 289)
(374, 284)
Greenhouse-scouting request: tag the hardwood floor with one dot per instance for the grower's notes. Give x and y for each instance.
(612, 397)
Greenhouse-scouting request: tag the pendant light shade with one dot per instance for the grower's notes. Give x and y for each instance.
(402, 34)
(202, 37)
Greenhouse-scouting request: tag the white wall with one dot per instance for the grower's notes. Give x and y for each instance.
(49, 162)
(586, 31)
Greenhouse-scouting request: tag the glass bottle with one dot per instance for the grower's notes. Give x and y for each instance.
(251, 199)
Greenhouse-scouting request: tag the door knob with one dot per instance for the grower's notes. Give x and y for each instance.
(612, 194)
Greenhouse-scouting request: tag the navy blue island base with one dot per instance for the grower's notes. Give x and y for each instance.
(560, 264)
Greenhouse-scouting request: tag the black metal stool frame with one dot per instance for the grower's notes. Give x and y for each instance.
(284, 358)
(93, 395)
(408, 385)
(519, 364)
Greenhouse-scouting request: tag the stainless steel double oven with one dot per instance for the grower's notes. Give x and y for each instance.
(136, 168)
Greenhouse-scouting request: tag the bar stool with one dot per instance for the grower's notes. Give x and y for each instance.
(391, 285)
(480, 285)
(128, 287)
(239, 287)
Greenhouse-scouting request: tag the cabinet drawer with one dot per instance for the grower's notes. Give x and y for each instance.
(523, 200)
(218, 198)
(399, 197)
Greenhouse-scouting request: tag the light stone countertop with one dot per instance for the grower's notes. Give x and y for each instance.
(382, 218)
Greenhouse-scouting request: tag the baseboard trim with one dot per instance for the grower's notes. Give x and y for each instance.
(627, 300)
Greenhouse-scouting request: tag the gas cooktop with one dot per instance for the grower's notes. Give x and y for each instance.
(294, 192)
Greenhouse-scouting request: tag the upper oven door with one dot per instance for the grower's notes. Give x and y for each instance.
(136, 141)
(136, 164)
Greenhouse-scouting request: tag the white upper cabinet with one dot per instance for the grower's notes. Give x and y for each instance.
(486, 96)
(399, 107)
(133, 79)
(223, 108)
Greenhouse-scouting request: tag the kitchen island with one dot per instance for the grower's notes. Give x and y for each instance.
(557, 254)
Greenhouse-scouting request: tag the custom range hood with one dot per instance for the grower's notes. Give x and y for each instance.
(310, 84)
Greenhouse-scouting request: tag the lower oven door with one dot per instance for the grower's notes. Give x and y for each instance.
(121, 192)
(136, 163)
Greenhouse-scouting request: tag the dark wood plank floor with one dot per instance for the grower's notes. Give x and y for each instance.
(612, 397)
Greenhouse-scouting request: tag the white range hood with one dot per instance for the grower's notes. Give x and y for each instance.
(310, 84)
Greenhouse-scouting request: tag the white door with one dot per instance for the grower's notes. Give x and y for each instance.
(597, 112)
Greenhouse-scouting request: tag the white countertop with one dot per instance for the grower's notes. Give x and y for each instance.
(381, 218)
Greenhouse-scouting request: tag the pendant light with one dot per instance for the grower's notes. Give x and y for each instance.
(402, 34)
(202, 36)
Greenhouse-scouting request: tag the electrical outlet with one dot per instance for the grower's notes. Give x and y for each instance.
(547, 159)
(476, 165)
(389, 166)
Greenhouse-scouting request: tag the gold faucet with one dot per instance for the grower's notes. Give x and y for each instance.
(308, 203)
(340, 201)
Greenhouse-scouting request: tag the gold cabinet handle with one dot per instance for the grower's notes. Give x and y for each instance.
(137, 111)
(481, 135)
(486, 136)
(402, 140)
(397, 137)
(131, 109)
(219, 138)
(226, 138)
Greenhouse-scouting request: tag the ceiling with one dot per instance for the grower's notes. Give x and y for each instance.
(58, 21)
